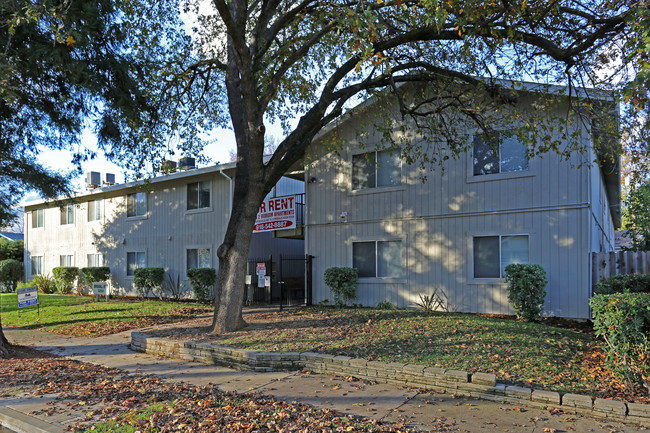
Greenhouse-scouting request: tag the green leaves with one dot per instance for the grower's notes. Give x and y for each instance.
(623, 320)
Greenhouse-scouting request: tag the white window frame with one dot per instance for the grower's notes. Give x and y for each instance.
(99, 255)
(97, 204)
(42, 264)
(375, 188)
(199, 247)
(71, 256)
(531, 171)
(199, 208)
(399, 278)
(35, 218)
(501, 278)
(136, 258)
(146, 205)
(66, 210)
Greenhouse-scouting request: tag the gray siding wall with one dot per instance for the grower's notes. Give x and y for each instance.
(436, 221)
(164, 234)
(602, 227)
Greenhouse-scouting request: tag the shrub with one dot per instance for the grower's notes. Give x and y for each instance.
(526, 290)
(44, 283)
(173, 286)
(623, 283)
(343, 282)
(202, 280)
(11, 271)
(386, 305)
(12, 250)
(148, 281)
(623, 320)
(95, 274)
(64, 278)
(26, 284)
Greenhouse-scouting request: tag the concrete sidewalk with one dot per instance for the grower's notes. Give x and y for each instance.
(423, 411)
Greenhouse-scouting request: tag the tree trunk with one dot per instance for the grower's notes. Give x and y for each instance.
(233, 258)
(4, 344)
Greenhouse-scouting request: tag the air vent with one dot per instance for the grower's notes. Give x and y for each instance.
(93, 179)
(109, 179)
(186, 163)
(168, 166)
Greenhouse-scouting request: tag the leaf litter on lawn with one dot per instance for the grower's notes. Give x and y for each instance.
(557, 354)
(112, 400)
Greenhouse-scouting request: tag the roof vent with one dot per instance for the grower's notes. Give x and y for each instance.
(168, 166)
(93, 179)
(109, 179)
(186, 163)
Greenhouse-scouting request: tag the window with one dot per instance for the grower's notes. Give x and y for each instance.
(134, 260)
(95, 260)
(37, 218)
(37, 265)
(504, 156)
(67, 215)
(198, 195)
(198, 258)
(376, 169)
(136, 204)
(493, 253)
(95, 210)
(377, 258)
(65, 260)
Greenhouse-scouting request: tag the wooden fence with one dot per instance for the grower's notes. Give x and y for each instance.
(620, 262)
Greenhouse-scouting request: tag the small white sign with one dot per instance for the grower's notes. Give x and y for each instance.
(249, 279)
(27, 297)
(260, 280)
(100, 288)
(267, 281)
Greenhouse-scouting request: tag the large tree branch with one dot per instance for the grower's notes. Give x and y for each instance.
(268, 92)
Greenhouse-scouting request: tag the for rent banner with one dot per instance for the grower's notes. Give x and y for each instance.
(278, 213)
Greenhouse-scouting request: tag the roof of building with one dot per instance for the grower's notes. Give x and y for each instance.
(181, 174)
(12, 236)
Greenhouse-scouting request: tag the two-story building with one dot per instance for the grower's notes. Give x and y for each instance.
(454, 234)
(174, 221)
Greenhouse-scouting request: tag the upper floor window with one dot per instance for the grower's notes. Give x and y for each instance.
(493, 253)
(95, 260)
(66, 260)
(377, 258)
(135, 260)
(37, 265)
(37, 218)
(503, 155)
(95, 210)
(67, 214)
(376, 169)
(198, 195)
(198, 258)
(136, 204)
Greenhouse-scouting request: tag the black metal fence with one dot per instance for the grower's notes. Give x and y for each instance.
(282, 279)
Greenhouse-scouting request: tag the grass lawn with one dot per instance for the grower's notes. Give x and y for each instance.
(527, 354)
(82, 316)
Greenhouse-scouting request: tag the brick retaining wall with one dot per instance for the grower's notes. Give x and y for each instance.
(480, 385)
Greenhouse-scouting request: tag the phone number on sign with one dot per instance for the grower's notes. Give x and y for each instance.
(273, 225)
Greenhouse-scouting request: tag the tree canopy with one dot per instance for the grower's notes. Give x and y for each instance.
(304, 63)
(241, 63)
(62, 68)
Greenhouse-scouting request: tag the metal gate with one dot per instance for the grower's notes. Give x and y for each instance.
(294, 278)
(290, 280)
